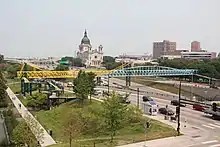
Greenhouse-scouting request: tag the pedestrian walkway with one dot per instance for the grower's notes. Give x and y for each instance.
(189, 138)
(43, 137)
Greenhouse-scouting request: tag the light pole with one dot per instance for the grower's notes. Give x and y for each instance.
(108, 83)
(138, 92)
(178, 115)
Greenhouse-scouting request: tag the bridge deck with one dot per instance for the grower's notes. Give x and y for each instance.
(132, 71)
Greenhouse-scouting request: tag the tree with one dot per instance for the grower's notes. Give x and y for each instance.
(133, 115)
(12, 70)
(22, 135)
(113, 113)
(91, 83)
(73, 125)
(84, 85)
(61, 67)
(112, 65)
(108, 59)
(3, 93)
(73, 61)
(37, 100)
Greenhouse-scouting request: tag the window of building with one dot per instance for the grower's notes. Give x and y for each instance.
(95, 57)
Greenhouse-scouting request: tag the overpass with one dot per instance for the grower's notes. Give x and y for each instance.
(125, 72)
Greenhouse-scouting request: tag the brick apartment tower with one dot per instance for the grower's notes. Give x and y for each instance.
(195, 46)
(163, 48)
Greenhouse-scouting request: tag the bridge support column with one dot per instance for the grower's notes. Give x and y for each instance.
(25, 89)
(30, 89)
(128, 81)
(22, 87)
(48, 102)
(98, 79)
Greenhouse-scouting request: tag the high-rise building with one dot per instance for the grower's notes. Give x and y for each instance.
(163, 48)
(195, 46)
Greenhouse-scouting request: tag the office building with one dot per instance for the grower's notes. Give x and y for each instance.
(198, 55)
(163, 48)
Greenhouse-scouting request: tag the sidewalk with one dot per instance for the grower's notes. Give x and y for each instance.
(44, 138)
(190, 136)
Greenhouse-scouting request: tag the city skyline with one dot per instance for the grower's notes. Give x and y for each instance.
(54, 28)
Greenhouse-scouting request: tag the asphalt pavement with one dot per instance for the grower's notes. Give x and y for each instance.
(200, 129)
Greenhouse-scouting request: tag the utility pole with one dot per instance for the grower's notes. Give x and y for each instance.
(138, 92)
(108, 83)
(178, 115)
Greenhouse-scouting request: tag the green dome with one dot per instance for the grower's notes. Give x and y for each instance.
(85, 39)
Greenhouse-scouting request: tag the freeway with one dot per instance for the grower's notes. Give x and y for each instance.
(209, 129)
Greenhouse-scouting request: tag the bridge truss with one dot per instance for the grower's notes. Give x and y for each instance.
(122, 72)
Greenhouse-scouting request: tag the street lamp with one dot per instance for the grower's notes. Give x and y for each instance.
(108, 83)
(138, 97)
(178, 115)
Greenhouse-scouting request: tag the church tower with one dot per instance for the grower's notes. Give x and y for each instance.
(90, 57)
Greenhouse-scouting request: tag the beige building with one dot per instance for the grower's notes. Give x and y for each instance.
(90, 57)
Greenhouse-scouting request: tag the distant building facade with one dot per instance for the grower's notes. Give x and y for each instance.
(164, 48)
(195, 46)
(198, 55)
(90, 57)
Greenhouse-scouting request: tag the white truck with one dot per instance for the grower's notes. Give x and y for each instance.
(150, 108)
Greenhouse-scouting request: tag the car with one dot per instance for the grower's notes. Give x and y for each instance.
(98, 92)
(176, 103)
(166, 111)
(198, 107)
(147, 98)
(69, 84)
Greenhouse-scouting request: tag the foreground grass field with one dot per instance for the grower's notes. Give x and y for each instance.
(134, 132)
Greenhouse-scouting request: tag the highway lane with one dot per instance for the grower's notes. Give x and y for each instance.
(194, 118)
(187, 113)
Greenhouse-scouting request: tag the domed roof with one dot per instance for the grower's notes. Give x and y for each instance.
(85, 39)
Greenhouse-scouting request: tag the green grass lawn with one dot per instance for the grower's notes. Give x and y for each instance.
(15, 87)
(54, 120)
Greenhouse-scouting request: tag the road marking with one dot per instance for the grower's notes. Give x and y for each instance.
(208, 142)
(214, 125)
(208, 126)
(216, 145)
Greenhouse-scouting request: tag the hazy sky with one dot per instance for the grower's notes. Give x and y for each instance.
(55, 27)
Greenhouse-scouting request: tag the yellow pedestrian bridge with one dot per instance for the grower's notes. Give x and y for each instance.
(125, 72)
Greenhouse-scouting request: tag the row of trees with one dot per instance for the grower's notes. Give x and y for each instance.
(73, 61)
(209, 68)
(109, 62)
(107, 118)
(101, 120)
